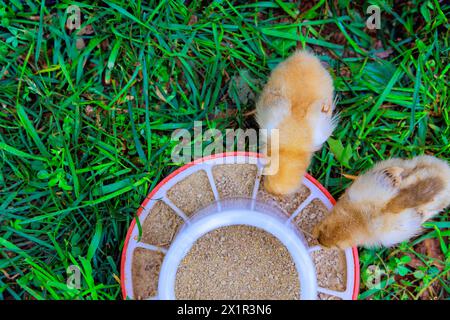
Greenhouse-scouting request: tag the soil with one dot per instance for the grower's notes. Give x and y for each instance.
(160, 226)
(324, 296)
(237, 262)
(192, 193)
(288, 204)
(235, 180)
(309, 217)
(145, 272)
(331, 269)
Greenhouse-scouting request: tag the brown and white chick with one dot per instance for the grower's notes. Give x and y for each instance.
(298, 101)
(387, 204)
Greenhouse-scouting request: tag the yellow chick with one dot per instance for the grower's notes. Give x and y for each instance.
(298, 101)
(387, 204)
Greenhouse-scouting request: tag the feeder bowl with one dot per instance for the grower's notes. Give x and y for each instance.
(250, 211)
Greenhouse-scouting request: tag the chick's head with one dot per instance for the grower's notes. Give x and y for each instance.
(344, 227)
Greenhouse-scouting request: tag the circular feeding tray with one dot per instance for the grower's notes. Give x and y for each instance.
(211, 231)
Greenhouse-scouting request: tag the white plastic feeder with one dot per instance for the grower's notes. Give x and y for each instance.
(230, 212)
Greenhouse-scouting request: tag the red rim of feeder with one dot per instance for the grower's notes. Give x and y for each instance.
(215, 156)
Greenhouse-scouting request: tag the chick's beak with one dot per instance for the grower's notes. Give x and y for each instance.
(322, 241)
(319, 235)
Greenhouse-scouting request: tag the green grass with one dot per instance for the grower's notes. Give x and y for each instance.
(85, 133)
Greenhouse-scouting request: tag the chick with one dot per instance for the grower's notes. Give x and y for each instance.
(298, 101)
(387, 204)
